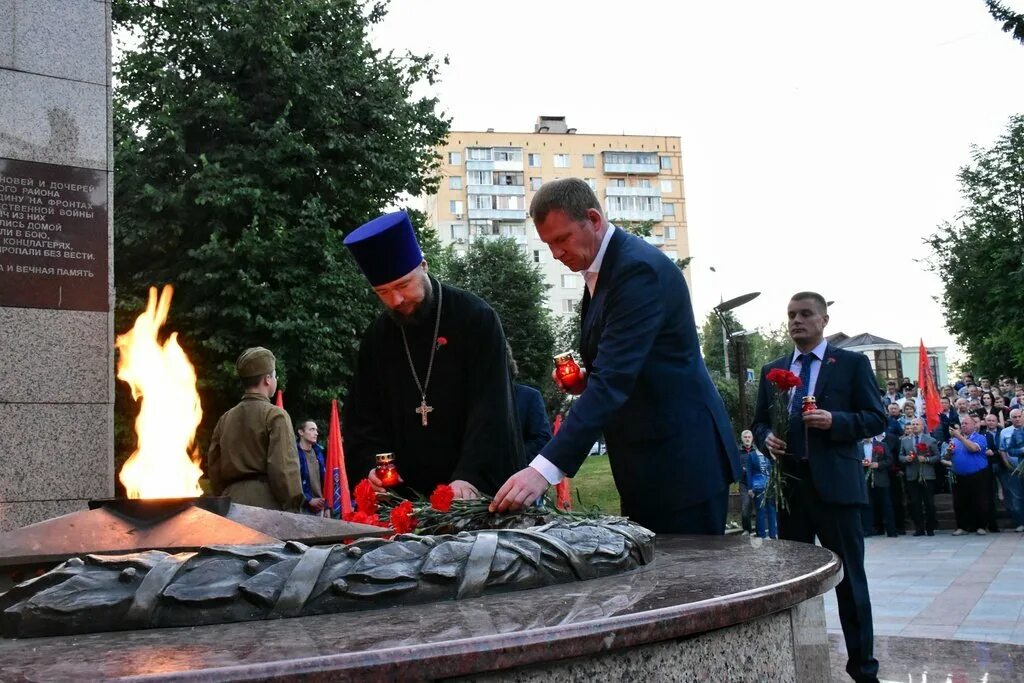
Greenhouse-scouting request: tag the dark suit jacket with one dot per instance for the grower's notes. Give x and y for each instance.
(881, 475)
(846, 387)
(533, 421)
(669, 438)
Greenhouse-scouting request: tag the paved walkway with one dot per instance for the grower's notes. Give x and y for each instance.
(945, 587)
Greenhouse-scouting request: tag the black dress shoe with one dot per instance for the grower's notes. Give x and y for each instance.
(919, 533)
(931, 533)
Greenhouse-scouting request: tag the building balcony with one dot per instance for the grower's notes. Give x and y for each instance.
(634, 214)
(505, 190)
(498, 214)
(612, 191)
(489, 165)
(655, 240)
(632, 169)
(518, 239)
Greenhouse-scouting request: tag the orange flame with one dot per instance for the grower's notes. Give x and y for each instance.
(164, 381)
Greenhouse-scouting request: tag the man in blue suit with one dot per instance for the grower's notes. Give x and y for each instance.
(647, 390)
(533, 421)
(823, 458)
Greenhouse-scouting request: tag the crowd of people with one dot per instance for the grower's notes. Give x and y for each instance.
(972, 453)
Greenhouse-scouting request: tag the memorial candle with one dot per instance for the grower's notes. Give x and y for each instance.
(386, 470)
(568, 372)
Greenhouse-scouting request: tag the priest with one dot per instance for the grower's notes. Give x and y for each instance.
(432, 383)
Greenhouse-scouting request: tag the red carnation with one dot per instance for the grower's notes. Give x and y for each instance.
(366, 497)
(442, 341)
(922, 448)
(784, 380)
(442, 497)
(877, 449)
(402, 519)
(362, 518)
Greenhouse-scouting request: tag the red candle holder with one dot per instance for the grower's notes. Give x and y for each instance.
(568, 372)
(810, 403)
(386, 470)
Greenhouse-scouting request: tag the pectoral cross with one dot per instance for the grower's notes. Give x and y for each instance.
(423, 410)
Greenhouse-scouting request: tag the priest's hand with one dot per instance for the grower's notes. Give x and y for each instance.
(463, 490)
(377, 484)
(521, 489)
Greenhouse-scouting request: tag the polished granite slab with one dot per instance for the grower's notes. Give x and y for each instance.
(695, 585)
(939, 660)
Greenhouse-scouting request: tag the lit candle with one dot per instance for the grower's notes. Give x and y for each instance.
(810, 403)
(568, 372)
(386, 470)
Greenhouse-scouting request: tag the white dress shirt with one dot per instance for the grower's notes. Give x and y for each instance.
(818, 353)
(548, 469)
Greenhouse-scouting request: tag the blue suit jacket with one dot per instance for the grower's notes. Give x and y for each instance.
(533, 421)
(668, 434)
(847, 388)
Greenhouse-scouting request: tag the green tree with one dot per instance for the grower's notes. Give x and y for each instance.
(1012, 22)
(502, 275)
(250, 136)
(980, 257)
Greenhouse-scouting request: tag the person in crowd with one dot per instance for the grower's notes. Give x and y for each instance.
(1018, 397)
(948, 416)
(1011, 450)
(823, 453)
(909, 396)
(985, 385)
(908, 412)
(989, 428)
(891, 395)
(988, 407)
(312, 467)
(918, 454)
(1006, 388)
(878, 465)
(1001, 410)
(670, 444)
(759, 469)
(746, 500)
(251, 457)
(533, 420)
(962, 408)
(432, 383)
(948, 392)
(967, 380)
(966, 457)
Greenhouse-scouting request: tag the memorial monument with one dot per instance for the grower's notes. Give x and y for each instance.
(56, 268)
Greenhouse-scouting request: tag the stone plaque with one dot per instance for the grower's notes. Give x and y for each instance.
(53, 237)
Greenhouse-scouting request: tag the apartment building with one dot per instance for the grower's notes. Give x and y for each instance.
(490, 177)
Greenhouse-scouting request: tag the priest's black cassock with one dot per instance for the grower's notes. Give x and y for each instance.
(472, 433)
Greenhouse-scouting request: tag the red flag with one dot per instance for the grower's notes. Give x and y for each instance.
(563, 498)
(926, 384)
(279, 401)
(336, 492)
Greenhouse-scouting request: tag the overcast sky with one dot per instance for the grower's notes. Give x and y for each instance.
(821, 140)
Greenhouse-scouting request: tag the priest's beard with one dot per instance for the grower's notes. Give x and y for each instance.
(421, 313)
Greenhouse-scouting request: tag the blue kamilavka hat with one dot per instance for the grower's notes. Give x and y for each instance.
(385, 248)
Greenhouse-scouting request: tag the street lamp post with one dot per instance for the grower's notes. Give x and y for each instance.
(727, 335)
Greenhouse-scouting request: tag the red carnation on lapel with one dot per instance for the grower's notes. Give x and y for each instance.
(831, 360)
(784, 380)
(442, 341)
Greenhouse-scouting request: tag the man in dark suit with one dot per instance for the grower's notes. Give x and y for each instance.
(533, 421)
(669, 440)
(919, 452)
(824, 458)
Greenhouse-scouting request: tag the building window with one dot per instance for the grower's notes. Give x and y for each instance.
(670, 232)
(668, 209)
(509, 202)
(561, 161)
(455, 158)
(617, 182)
(478, 154)
(592, 182)
(569, 305)
(535, 183)
(481, 201)
(508, 154)
(536, 256)
(632, 158)
(512, 178)
(644, 183)
(455, 206)
(571, 281)
(459, 232)
(479, 177)
(672, 255)
(455, 182)
(666, 163)
(888, 365)
(666, 185)
(588, 161)
(534, 160)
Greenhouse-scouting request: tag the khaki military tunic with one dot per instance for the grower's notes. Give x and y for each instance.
(252, 456)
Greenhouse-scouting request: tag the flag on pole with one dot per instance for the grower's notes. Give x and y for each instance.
(563, 498)
(279, 401)
(926, 385)
(336, 491)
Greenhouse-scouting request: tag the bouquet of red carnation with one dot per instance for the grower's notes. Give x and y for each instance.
(783, 381)
(921, 451)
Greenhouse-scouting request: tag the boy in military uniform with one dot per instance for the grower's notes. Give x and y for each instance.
(252, 455)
